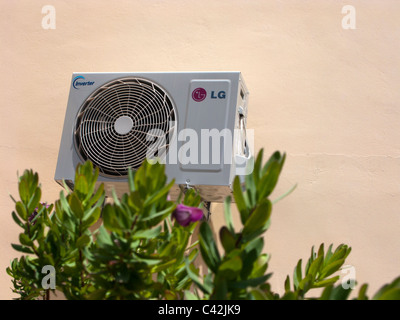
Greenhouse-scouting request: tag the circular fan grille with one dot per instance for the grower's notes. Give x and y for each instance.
(122, 123)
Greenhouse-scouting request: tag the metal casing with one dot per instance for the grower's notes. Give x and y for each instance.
(203, 101)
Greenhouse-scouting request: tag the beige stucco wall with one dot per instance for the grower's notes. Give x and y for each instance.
(327, 96)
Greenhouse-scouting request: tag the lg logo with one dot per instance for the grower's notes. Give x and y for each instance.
(220, 95)
(199, 94)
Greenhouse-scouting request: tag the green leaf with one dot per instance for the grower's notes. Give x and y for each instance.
(203, 286)
(250, 253)
(103, 237)
(64, 206)
(81, 186)
(270, 175)
(326, 282)
(362, 295)
(159, 194)
(268, 181)
(251, 189)
(34, 182)
(66, 187)
(231, 268)
(228, 214)
(76, 206)
(392, 294)
(21, 248)
(135, 201)
(82, 241)
(160, 214)
(91, 218)
(388, 291)
(328, 255)
(257, 166)
(190, 296)
(227, 239)
(12, 198)
(257, 294)
(109, 218)
(192, 198)
(285, 194)
(306, 283)
(34, 201)
(170, 295)
(208, 248)
(131, 180)
(17, 220)
(124, 217)
(297, 275)
(21, 211)
(147, 234)
(289, 296)
(315, 266)
(331, 268)
(260, 266)
(258, 218)
(163, 266)
(150, 261)
(321, 250)
(326, 293)
(339, 293)
(220, 289)
(239, 199)
(23, 191)
(98, 197)
(275, 157)
(287, 284)
(25, 240)
(341, 252)
(249, 282)
(310, 260)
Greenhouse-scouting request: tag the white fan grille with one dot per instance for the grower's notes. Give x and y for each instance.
(122, 123)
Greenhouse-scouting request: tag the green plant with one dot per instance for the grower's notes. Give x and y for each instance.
(240, 271)
(137, 253)
(142, 249)
(137, 241)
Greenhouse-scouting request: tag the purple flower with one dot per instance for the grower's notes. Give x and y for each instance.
(184, 215)
(35, 212)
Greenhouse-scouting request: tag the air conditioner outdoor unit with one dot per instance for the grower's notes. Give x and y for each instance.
(194, 122)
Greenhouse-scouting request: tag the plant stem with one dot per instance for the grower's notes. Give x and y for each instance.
(28, 228)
